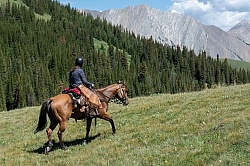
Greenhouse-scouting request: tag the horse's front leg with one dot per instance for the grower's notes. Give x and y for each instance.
(111, 121)
(88, 126)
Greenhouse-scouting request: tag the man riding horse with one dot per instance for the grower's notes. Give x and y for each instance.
(78, 80)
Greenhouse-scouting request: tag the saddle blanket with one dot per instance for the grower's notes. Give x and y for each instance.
(71, 90)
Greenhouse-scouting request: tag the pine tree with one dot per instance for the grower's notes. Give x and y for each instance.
(218, 71)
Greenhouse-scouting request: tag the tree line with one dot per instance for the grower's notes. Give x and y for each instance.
(36, 55)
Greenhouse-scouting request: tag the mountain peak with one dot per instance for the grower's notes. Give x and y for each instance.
(244, 22)
(143, 6)
(240, 24)
(177, 29)
(241, 31)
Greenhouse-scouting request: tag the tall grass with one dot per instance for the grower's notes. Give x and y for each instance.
(210, 127)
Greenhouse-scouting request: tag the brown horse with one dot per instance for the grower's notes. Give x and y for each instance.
(60, 108)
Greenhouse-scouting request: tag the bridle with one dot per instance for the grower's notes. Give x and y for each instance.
(123, 98)
(120, 93)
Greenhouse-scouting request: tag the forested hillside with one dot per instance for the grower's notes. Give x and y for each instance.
(40, 40)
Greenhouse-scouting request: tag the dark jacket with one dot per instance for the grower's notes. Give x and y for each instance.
(77, 77)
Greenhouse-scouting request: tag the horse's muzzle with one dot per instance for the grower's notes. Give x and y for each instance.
(125, 102)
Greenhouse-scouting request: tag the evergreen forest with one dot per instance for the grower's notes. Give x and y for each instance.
(40, 39)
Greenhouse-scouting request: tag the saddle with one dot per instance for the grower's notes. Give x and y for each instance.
(78, 100)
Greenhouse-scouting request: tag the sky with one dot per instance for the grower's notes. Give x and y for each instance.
(221, 13)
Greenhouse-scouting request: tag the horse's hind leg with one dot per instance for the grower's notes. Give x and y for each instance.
(62, 128)
(49, 135)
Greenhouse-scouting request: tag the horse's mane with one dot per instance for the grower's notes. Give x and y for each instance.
(109, 86)
(106, 87)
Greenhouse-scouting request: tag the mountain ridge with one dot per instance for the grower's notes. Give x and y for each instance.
(177, 29)
(241, 31)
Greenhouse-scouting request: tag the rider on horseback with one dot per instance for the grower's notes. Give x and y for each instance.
(78, 80)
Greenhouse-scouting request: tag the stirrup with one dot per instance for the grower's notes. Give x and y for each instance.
(96, 113)
(83, 108)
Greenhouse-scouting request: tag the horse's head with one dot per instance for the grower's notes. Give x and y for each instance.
(121, 93)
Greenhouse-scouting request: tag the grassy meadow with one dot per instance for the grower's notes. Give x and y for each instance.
(239, 64)
(45, 17)
(209, 127)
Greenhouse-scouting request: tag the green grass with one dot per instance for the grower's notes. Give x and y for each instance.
(18, 2)
(210, 127)
(45, 17)
(98, 44)
(239, 64)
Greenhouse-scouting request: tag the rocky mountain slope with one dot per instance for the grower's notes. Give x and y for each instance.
(242, 31)
(176, 29)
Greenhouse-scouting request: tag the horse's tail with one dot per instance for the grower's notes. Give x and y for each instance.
(42, 123)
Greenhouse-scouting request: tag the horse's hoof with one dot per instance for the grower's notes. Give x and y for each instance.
(64, 148)
(47, 150)
(85, 142)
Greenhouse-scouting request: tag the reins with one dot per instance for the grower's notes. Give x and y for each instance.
(111, 98)
(122, 93)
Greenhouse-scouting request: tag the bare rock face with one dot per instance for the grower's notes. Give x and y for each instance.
(176, 29)
(242, 31)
